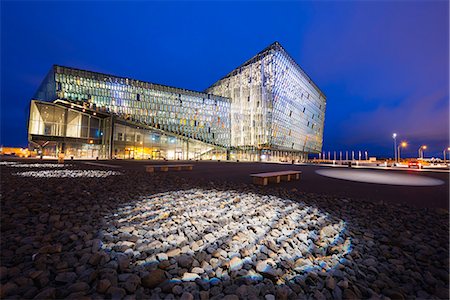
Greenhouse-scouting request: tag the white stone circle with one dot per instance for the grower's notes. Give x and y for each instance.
(199, 220)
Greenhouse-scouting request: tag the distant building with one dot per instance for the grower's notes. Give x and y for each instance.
(18, 152)
(266, 109)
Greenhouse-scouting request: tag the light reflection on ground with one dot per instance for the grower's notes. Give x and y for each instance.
(272, 237)
(67, 173)
(37, 165)
(373, 176)
(7, 163)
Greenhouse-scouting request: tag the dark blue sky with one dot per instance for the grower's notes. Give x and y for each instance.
(382, 65)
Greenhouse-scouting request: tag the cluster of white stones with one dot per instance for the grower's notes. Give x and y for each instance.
(37, 165)
(7, 163)
(67, 173)
(228, 234)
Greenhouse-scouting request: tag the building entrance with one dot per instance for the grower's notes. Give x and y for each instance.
(129, 153)
(179, 155)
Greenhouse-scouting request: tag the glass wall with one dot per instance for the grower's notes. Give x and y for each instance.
(80, 134)
(48, 119)
(130, 142)
(275, 105)
(195, 115)
(58, 129)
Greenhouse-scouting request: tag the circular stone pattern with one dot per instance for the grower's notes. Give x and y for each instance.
(380, 177)
(67, 173)
(223, 235)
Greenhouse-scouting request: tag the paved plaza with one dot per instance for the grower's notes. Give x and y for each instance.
(108, 229)
(312, 182)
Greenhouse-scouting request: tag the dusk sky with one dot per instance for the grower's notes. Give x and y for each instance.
(382, 65)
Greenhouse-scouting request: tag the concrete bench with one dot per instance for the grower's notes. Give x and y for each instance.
(276, 177)
(165, 168)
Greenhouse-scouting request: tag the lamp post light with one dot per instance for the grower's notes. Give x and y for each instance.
(340, 155)
(445, 156)
(346, 155)
(423, 147)
(403, 144)
(394, 136)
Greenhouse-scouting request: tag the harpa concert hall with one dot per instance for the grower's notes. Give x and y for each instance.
(267, 109)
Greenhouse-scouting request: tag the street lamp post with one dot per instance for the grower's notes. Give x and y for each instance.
(394, 136)
(403, 144)
(423, 147)
(445, 156)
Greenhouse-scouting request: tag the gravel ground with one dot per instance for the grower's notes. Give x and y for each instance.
(74, 232)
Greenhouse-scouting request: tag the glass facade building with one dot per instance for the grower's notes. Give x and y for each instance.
(142, 120)
(268, 108)
(274, 105)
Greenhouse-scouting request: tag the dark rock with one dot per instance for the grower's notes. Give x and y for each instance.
(153, 278)
(330, 282)
(79, 287)
(116, 292)
(187, 296)
(349, 295)
(42, 280)
(283, 292)
(177, 290)
(394, 294)
(231, 297)
(442, 293)
(132, 283)
(66, 277)
(47, 293)
(3, 273)
(95, 259)
(185, 261)
(123, 262)
(8, 289)
(204, 295)
(103, 285)
(30, 292)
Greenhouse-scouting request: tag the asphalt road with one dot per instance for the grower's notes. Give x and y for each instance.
(311, 182)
